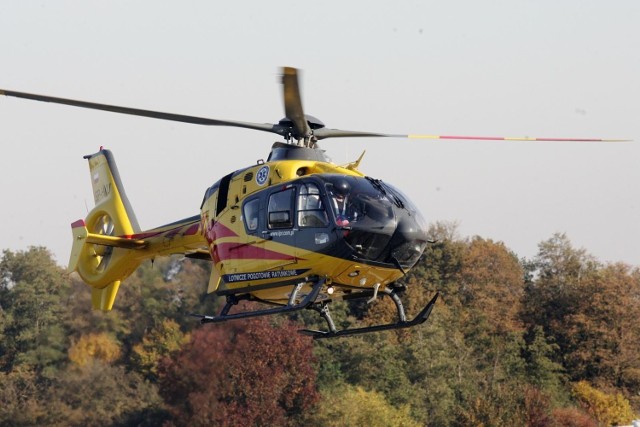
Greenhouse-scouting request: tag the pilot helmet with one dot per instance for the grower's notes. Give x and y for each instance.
(341, 187)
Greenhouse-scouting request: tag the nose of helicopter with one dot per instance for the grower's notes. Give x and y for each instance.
(381, 224)
(399, 241)
(408, 241)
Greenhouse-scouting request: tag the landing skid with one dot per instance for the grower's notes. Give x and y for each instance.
(291, 305)
(310, 302)
(402, 322)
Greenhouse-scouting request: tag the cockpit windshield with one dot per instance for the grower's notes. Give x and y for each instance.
(365, 210)
(401, 199)
(354, 200)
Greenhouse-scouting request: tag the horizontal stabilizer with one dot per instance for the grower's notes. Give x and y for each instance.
(81, 236)
(80, 232)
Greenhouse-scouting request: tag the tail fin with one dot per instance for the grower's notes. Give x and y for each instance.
(101, 249)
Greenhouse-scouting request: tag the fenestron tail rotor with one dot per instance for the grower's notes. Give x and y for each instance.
(103, 226)
(304, 129)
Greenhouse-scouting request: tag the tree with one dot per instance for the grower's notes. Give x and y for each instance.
(162, 341)
(559, 271)
(354, 406)
(609, 409)
(99, 394)
(20, 398)
(556, 288)
(92, 347)
(541, 369)
(537, 408)
(572, 417)
(376, 363)
(590, 312)
(32, 288)
(605, 330)
(491, 285)
(241, 373)
(442, 259)
(490, 291)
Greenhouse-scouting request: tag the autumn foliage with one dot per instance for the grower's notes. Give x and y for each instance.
(94, 347)
(248, 373)
(608, 409)
(550, 341)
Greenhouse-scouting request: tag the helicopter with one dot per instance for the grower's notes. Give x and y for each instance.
(294, 232)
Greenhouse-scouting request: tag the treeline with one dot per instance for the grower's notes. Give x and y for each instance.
(548, 341)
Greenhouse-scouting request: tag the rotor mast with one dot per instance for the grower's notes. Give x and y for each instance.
(300, 129)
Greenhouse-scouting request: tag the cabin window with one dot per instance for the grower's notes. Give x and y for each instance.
(250, 213)
(311, 212)
(223, 193)
(280, 209)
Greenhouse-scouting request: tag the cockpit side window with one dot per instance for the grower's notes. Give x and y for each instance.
(280, 209)
(311, 211)
(250, 214)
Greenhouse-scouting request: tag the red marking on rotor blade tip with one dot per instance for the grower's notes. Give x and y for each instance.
(479, 138)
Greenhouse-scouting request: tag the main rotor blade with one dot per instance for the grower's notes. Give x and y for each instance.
(280, 130)
(337, 133)
(512, 138)
(293, 108)
(293, 103)
(325, 133)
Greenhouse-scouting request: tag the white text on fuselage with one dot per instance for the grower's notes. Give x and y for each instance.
(282, 233)
(261, 275)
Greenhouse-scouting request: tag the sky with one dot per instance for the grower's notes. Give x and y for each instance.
(506, 68)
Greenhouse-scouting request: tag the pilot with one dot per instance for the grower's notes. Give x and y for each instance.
(341, 204)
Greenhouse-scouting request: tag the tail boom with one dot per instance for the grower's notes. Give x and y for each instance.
(108, 245)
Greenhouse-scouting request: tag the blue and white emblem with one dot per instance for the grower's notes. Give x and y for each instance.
(262, 175)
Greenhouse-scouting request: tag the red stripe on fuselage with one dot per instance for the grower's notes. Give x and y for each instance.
(170, 233)
(217, 230)
(192, 230)
(143, 235)
(234, 251)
